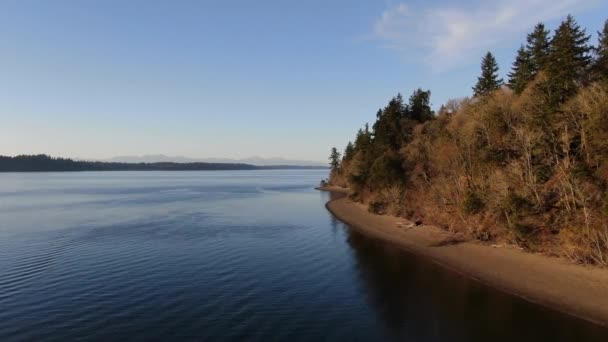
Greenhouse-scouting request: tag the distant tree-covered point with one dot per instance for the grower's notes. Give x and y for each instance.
(45, 163)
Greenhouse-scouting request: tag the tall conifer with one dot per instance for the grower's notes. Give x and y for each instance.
(349, 151)
(419, 106)
(489, 80)
(521, 71)
(387, 128)
(538, 46)
(334, 159)
(569, 59)
(601, 61)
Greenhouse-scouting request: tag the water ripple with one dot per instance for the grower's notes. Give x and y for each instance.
(219, 257)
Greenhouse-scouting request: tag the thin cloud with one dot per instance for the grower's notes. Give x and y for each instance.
(448, 37)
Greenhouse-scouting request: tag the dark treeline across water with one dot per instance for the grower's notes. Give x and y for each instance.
(44, 163)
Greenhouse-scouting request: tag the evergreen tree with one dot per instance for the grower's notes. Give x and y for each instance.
(387, 128)
(488, 81)
(334, 159)
(569, 60)
(365, 155)
(358, 140)
(419, 106)
(349, 151)
(363, 139)
(601, 51)
(538, 48)
(521, 71)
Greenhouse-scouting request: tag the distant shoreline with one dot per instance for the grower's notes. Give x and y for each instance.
(256, 168)
(552, 282)
(44, 163)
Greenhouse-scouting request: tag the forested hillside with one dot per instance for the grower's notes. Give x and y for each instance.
(523, 162)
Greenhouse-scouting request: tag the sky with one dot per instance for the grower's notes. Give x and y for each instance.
(235, 79)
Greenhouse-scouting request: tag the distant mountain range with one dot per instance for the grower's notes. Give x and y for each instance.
(258, 161)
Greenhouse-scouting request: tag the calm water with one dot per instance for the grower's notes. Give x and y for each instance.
(227, 256)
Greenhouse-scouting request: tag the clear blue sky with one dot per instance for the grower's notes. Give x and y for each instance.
(96, 79)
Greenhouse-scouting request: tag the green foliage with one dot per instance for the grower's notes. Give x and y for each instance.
(387, 128)
(489, 81)
(419, 106)
(334, 159)
(472, 203)
(522, 71)
(386, 170)
(538, 47)
(349, 151)
(517, 206)
(528, 167)
(363, 140)
(569, 60)
(358, 180)
(525, 235)
(600, 65)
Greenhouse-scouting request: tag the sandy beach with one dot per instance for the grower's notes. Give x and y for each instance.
(553, 282)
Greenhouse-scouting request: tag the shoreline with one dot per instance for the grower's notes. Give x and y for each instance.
(575, 290)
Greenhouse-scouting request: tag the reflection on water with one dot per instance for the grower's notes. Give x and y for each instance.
(227, 256)
(418, 300)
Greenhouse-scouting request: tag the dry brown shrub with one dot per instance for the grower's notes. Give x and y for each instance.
(585, 245)
(585, 118)
(540, 177)
(393, 198)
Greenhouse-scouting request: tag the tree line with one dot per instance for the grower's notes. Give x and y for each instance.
(523, 161)
(45, 163)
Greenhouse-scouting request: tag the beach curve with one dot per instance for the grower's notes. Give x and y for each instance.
(576, 290)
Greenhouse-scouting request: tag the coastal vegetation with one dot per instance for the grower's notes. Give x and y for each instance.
(523, 162)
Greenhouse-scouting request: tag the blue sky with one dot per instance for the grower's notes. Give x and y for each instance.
(96, 79)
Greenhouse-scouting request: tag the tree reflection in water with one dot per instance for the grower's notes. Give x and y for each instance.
(417, 300)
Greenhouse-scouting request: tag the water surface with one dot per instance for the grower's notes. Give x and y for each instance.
(227, 256)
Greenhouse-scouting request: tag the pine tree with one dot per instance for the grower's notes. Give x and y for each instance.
(387, 128)
(569, 60)
(521, 71)
(365, 155)
(363, 139)
(419, 106)
(488, 81)
(600, 65)
(349, 152)
(538, 46)
(334, 159)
